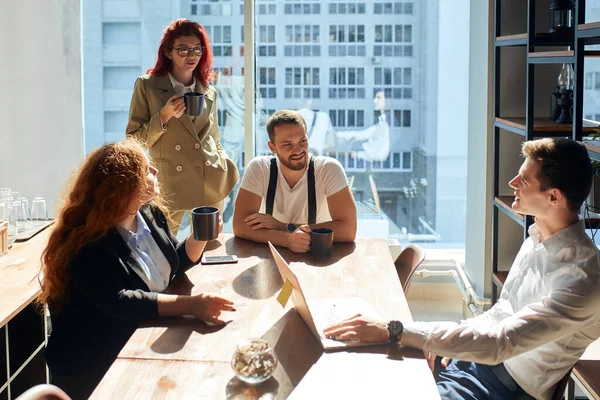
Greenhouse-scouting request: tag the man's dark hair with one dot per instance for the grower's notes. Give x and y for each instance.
(283, 117)
(564, 165)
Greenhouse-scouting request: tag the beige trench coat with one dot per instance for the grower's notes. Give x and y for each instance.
(194, 169)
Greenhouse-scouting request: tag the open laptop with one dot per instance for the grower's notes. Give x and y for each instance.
(320, 314)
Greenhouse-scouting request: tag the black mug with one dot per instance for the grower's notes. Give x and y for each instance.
(321, 242)
(205, 222)
(194, 103)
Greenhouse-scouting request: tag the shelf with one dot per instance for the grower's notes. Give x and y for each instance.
(551, 57)
(540, 125)
(512, 40)
(541, 39)
(504, 203)
(499, 277)
(589, 32)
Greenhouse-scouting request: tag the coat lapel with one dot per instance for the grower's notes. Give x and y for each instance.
(166, 91)
(125, 254)
(160, 237)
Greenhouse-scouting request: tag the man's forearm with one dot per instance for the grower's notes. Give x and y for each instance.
(278, 238)
(344, 231)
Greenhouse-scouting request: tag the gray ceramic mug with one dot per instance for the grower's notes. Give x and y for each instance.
(194, 103)
(205, 222)
(321, 242)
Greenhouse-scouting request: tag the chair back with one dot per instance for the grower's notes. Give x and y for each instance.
(407, 262)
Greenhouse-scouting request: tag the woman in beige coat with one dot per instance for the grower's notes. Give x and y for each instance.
(195, 170)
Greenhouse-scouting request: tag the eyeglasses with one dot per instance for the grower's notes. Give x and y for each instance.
(186, 51)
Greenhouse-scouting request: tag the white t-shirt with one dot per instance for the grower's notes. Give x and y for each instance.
(291, 205)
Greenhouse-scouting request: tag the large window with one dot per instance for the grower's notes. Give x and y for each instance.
(389, 96)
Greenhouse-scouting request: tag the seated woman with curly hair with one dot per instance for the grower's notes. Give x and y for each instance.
(106, 264)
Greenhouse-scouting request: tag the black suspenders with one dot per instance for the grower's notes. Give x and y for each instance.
(312, 195)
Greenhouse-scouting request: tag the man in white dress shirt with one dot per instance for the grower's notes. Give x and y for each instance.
(549, 308)
(282, 195)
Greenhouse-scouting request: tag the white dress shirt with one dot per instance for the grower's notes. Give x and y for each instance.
(147, 254)
(547, 314)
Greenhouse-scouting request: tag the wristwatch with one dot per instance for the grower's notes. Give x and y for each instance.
(291, 227)
(395, 329)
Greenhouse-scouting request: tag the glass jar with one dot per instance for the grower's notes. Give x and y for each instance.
(254, 361)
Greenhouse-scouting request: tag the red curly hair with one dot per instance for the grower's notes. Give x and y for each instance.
(102, 194)
(184, 27)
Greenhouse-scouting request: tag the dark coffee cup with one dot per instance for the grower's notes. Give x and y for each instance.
(321, 241)
(205, 222)
(194, 103)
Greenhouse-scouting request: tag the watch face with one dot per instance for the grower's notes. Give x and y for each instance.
(291, 227)
(395, 327)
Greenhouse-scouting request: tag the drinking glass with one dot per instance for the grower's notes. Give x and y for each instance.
(20, 218)
(7, 214)
(26, 211)
(39, 213)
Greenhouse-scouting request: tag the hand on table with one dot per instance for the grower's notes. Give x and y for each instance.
(263, 221)
(208, 307)
(360, 327)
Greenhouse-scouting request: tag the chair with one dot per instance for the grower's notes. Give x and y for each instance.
(407, 262)
(561, 386)
(44, 392)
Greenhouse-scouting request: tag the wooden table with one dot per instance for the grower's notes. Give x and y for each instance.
(185, 358)
(586, 372)
(22, 327)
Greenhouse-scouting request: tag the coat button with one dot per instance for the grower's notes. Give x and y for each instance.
(197, 145)
(207, 163)
(177, 147)
(179, 168)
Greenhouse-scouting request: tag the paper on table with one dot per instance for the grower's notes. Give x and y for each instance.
(285, 293)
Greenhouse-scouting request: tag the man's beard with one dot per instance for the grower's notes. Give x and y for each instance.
(294, 165)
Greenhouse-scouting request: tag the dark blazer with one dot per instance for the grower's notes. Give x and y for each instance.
(107, 297)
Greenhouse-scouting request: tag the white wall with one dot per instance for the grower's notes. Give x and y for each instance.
(41, 137)
(452, 120)
(479, 154)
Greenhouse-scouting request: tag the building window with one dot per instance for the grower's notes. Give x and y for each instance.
(347, 118)
(266, 34)
(393, 34)
(210, 7)
(220, 40)
(302, 83)
(395, 83)
(302, 34)
(349, 35)
(393, 8)
(396, 162)
(346, 83)
(266, 9)
(302, 7)
(266, 83)
(345, 7)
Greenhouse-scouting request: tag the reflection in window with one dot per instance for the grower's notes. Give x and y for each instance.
(393, 8)
(345, 7)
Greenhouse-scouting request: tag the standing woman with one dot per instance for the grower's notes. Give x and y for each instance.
(195, 170)
(107, 262)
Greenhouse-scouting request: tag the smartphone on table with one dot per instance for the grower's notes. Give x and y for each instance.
(228, 259)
